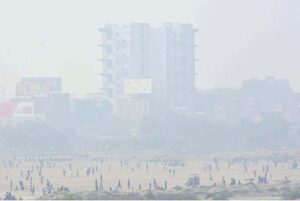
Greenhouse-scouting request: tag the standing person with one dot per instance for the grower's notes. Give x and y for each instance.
(101, 186)
(101, 178)
(49, 187)
(128, 184)
(96, 185)
(33, 190)
(21, 184)
(166, 185)
(11, 185)
(266, 178)
(154, 183)
(223, 181)
(119, 184)
(30, 182)
(140, 187)
(88, 172)
(245, 168)
(210, 178)
(210, 167)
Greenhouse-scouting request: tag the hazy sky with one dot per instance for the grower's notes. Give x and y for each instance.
(237, 39)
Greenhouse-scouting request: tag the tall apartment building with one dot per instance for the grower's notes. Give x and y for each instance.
(162, 55)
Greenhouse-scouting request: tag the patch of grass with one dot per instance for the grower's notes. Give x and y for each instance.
(286, 189)
(178, 188)
(273, 189)
(177, 196)
(223, 195)
(71, 196)
(291, 195)
(149, 195)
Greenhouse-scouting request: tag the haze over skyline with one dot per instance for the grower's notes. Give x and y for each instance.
(60, 38)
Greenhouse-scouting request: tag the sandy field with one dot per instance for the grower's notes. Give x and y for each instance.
(171, 169)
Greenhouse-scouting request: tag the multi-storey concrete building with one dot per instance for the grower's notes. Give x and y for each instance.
(257, 99)
(163, 56)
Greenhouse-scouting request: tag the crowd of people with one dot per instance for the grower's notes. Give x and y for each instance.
(35, 181)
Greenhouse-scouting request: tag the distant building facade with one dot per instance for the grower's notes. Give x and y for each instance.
(138, 53)
(257, 99)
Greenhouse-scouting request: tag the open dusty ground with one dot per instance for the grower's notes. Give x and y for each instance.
(111, 170)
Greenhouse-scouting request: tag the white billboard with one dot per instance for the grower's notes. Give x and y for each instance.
(24, 109)
(138, 86)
